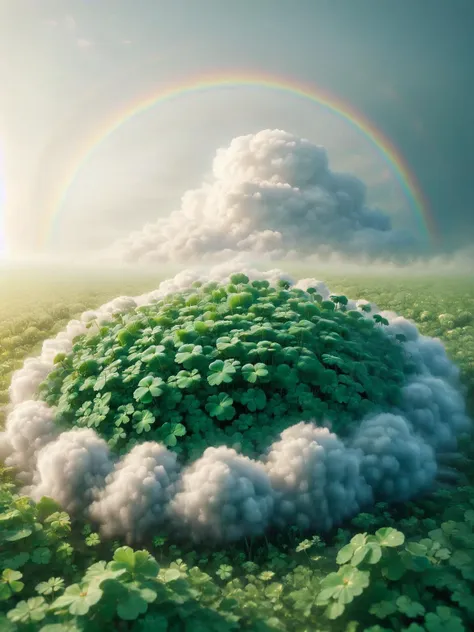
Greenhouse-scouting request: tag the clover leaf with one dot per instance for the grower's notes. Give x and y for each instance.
(411, 609)
(389, 537)
(108, 375)
(443, 621)
(188, 355)
(188, 379)
(225, 571)
(360, 549)
(148, 388)
(254, 399)
(220, 406)
(221, 372)
(169, 432)
(41, 555)
(54, 584)
(137, 564)
(132, 606)
(254, 372)
(171, 575)
(10, 584)
(143, 421)
(154, 354)
(78, 599)
(343, 586)
(383, 609)
(30, 611)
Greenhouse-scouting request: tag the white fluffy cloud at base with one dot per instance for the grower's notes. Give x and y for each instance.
(71, 468)
(316, 478)
(222, 496)
(309, 477)
(271, 195)
(136, 494)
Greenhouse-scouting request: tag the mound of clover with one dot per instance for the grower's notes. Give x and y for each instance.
(227, 364)
(195, 409)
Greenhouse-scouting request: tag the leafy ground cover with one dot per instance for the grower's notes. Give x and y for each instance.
(240, 362)
(407, 567)
(36, 306)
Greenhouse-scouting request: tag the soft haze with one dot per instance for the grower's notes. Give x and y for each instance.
(68, 66)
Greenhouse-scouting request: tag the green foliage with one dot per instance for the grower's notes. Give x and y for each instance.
(382, 580)
(442, 307)
(233, 364)
(406, 568)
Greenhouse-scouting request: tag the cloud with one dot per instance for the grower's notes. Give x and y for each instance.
(459, 262)
(148, 474)
(224, 496)
(271, 195)
(317, 480)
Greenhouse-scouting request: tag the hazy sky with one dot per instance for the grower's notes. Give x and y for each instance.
(68, 66)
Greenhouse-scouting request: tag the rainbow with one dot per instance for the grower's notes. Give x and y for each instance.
(386, 148)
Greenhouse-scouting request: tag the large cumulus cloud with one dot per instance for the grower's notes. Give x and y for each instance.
(271, 195)
(309, 477)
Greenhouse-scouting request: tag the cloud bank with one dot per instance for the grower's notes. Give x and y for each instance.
(309, 477)
(273, 196)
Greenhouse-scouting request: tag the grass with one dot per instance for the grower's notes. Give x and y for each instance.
(269, 584)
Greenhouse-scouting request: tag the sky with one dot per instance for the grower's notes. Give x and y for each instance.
(68, 66)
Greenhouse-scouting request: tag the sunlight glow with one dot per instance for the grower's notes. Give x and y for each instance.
(3, 246)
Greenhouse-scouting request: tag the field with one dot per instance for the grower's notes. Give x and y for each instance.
(401, 567)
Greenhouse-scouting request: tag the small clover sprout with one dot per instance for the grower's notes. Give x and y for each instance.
(53, 585)
(225, 571)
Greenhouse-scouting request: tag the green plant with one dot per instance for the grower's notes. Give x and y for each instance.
(201, 366)
(421, 585)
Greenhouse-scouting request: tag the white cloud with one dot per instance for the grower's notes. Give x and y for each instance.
(271, 195)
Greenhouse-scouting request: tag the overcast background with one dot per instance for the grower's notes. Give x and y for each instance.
(66, 66)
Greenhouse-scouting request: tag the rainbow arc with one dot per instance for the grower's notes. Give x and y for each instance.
(387, 149)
